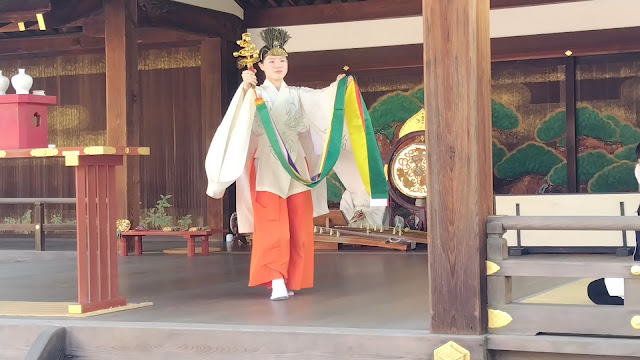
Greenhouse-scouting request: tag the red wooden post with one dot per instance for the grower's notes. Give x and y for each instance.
(191, 245)
(81, 223)
(122, 245)
(97, 247)
(112, 229)
(96, 206)
(138, 240)
(205, 245)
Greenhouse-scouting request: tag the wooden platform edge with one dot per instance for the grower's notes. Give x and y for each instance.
(50, 344)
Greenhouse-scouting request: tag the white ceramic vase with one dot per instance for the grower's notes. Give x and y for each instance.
(22, 82)
(4, 84)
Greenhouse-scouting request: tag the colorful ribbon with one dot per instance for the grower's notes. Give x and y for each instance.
(348, 107)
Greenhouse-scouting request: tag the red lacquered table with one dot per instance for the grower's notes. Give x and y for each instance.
(96, 204)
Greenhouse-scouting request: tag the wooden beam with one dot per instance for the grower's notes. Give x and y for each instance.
(122, 88)
(581, 43)
(331, 13)
(189, 18)
(212, 80)
(64, 12)
(570, 125)
(57, 44)
(15, 11)
(458, 107)
(354, 11)
(498, 4)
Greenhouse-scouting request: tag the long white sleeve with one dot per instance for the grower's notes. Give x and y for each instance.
(226, 158)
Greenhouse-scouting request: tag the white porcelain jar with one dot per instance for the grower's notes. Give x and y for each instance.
(22, 82)
(4, 84)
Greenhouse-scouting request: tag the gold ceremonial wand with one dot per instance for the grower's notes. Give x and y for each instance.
(250, 56)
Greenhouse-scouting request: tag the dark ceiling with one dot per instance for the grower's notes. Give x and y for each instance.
(266, 4)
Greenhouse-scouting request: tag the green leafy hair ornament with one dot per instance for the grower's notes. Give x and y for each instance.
(275, 39)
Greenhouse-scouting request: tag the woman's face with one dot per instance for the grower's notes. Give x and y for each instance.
(274, 67)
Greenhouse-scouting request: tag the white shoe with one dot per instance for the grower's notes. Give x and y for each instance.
(290, 293)
(279, 290)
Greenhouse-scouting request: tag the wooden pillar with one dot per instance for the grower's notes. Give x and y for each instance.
(457, 75)
(212, 96)
(123, 123)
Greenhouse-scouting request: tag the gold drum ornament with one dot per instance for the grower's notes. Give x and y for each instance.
(409, 170)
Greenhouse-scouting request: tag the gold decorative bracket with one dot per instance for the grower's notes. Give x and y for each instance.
(492, 268)
(71, 158)
(100, 150)
(451, 351)
(44, 152)
(498, 319)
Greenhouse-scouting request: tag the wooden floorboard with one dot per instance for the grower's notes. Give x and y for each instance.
(380, 289)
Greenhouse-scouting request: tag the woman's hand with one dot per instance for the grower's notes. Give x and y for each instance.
(249, 79)
(341, 76)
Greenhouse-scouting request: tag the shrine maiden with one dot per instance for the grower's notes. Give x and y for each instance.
(277, 209)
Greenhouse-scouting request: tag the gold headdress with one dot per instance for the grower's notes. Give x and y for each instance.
(274, 39)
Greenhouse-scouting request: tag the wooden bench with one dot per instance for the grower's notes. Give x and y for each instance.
(190, 236)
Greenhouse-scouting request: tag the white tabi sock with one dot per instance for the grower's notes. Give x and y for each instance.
(279, 290)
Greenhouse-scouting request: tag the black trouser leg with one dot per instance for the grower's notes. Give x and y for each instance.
(598, 293)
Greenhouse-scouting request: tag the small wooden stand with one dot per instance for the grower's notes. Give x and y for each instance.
(189, 236)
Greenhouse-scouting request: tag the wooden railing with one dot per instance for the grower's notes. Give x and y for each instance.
(38, 226)
(507, 317)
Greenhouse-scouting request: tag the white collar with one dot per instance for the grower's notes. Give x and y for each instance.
(268, 83)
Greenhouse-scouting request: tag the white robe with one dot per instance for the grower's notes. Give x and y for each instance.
(352, 202)
(302, 117)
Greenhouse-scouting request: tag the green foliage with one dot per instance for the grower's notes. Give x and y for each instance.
(502, 117)
(185, 222)
(614, 120)
(335, 187)
(592, 162)
(531, 158)
(157, 218)
(553, 128)
(56, 219)
(394, 108)
(388, 130)
(418, 95)
(589, 164)
(24, 219)
(627, 153)
(558, 175)
(590, 123)
(628, 135)
(563, 142)
(615, 178)
(499, 152)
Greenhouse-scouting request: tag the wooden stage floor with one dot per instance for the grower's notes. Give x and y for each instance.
(377, 289)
